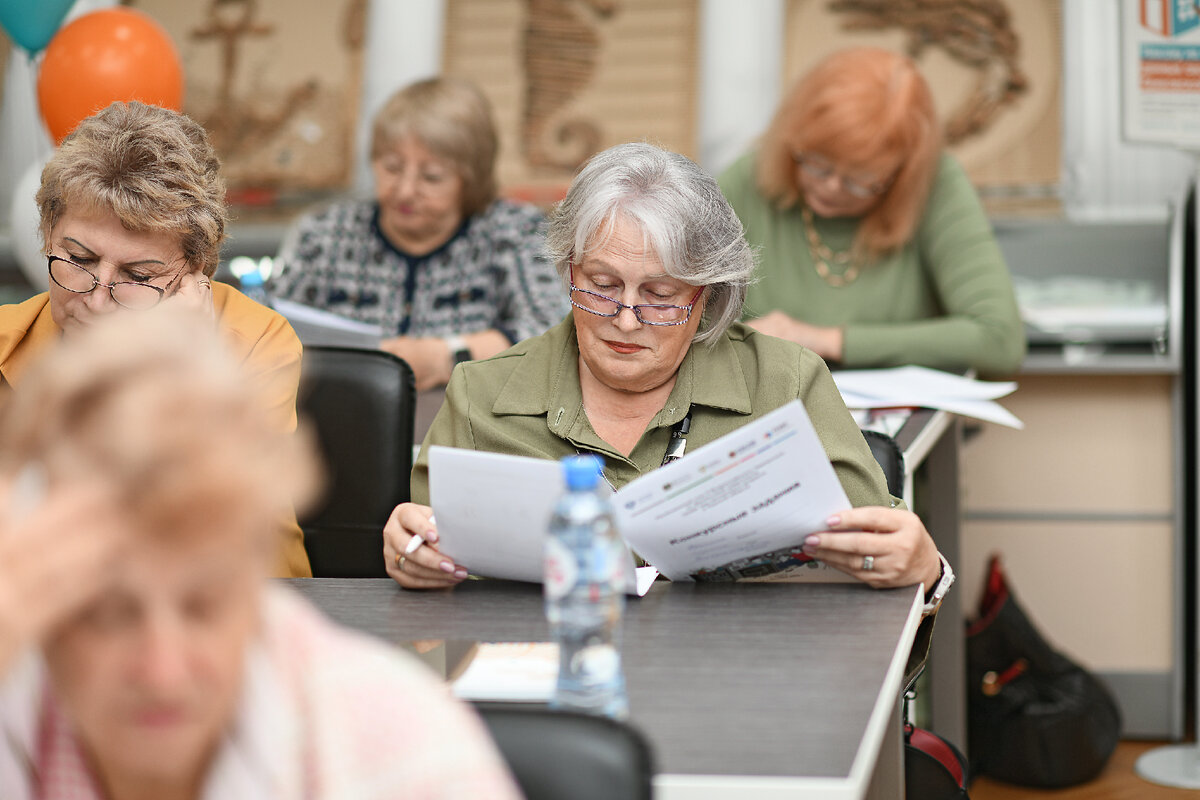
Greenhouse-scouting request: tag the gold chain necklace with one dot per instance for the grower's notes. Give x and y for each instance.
(823, 257)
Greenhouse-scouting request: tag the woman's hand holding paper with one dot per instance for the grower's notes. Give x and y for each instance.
(424, 567)
(883, 547)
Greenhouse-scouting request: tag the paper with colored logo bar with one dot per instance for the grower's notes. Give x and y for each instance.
(737, 508)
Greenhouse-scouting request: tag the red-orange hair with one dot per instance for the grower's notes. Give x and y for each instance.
(868, 110)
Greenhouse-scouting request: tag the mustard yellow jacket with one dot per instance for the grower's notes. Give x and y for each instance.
(261, 338)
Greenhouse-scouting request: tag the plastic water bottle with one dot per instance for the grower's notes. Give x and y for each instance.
(585, 594)
(254, 287)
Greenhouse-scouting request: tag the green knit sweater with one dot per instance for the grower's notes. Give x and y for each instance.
(944, 300)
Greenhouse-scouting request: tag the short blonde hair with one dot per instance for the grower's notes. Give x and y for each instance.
(452, 118)
(152, 167)
(866, 108)
(155, 405)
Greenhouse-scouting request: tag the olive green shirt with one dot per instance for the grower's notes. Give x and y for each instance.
(943, 300)
(526, 401)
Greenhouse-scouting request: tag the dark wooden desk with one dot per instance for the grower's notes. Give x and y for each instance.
(782, 690)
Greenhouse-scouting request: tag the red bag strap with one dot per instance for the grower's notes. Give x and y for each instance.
(933, 745)
(994, 594)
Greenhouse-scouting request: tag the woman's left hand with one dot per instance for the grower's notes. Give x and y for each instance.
(891, 541)
(194, 290)
(428, 357)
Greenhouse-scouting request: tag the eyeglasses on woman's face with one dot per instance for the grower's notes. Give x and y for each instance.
(127, 294)
(820, 168)
(661, 314)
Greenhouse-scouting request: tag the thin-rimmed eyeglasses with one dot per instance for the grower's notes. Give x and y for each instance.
(127, 294)
(661, 314)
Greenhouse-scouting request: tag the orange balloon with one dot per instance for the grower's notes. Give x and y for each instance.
(102, 57)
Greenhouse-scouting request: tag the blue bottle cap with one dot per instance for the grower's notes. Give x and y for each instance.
(251, 279)
(582, 472)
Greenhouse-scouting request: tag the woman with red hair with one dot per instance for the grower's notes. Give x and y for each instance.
(874, 248)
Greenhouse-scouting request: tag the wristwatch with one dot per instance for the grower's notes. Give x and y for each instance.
(459, 352)
(934, 599)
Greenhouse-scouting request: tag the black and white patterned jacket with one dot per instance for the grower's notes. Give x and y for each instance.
(493, 273)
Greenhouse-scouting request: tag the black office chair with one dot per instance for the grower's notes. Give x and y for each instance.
(890, 458)
(557, 754)
(361, 403)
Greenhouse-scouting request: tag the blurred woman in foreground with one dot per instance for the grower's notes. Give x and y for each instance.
(142, 651)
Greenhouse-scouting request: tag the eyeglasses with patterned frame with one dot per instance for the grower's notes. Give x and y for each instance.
(660, 314)
(127, 294)
(820, 168)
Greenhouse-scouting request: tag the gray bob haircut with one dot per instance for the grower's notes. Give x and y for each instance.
(683, 216)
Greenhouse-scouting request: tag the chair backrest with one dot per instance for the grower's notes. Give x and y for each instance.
(361, 403)
(890, 458)
(557, 754)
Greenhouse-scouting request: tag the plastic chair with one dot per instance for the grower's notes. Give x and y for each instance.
(558, 754)
(361, 403)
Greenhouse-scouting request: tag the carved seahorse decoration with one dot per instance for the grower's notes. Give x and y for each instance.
(977, 33)
(561, 51)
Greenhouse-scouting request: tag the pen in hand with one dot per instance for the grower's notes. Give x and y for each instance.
(416, 541)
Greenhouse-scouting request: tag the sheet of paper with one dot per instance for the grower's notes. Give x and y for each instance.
(514, 672)
(493, 512)
(926, 388)
(315, 326)
(738, 507)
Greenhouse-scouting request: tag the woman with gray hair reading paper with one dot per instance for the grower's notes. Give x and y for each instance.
(657, 270)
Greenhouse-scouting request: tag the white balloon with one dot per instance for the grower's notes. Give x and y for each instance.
(24, 223)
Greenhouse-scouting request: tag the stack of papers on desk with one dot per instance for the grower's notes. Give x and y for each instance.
(736, 508)
(920, 387)
(315, 326)
(510, 672)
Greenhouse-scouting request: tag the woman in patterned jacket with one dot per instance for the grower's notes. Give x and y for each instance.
(448, 270)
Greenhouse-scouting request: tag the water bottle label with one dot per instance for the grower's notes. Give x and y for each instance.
(596, 664)
(561, 569)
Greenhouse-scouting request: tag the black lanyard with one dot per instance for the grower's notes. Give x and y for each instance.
(678, 443)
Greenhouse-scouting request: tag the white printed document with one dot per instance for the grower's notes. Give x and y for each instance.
(493, 512)
(315, 326)
(926, 388)
(733, 509)
(738, 507)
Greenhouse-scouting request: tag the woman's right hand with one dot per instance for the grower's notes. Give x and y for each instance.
(53, 560)
(425, 567)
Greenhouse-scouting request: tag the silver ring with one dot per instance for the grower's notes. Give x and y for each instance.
(206, 284)
(868, 563)
(400, 559)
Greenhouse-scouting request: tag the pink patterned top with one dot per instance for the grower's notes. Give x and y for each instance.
(325, 713)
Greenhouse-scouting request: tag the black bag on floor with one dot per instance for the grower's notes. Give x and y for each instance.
(1035, 717)
(934, 769)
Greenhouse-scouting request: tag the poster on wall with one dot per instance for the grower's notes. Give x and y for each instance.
(568, 78)
(276, 84)
(1160, 72)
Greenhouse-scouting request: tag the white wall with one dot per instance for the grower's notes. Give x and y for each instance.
(1103, 176)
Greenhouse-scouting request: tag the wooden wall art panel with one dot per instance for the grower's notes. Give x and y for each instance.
(570, 77)
(277, 85)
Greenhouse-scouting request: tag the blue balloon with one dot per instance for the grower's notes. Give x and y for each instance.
(33, 23)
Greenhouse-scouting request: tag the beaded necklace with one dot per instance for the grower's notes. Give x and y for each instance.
(824, 258)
